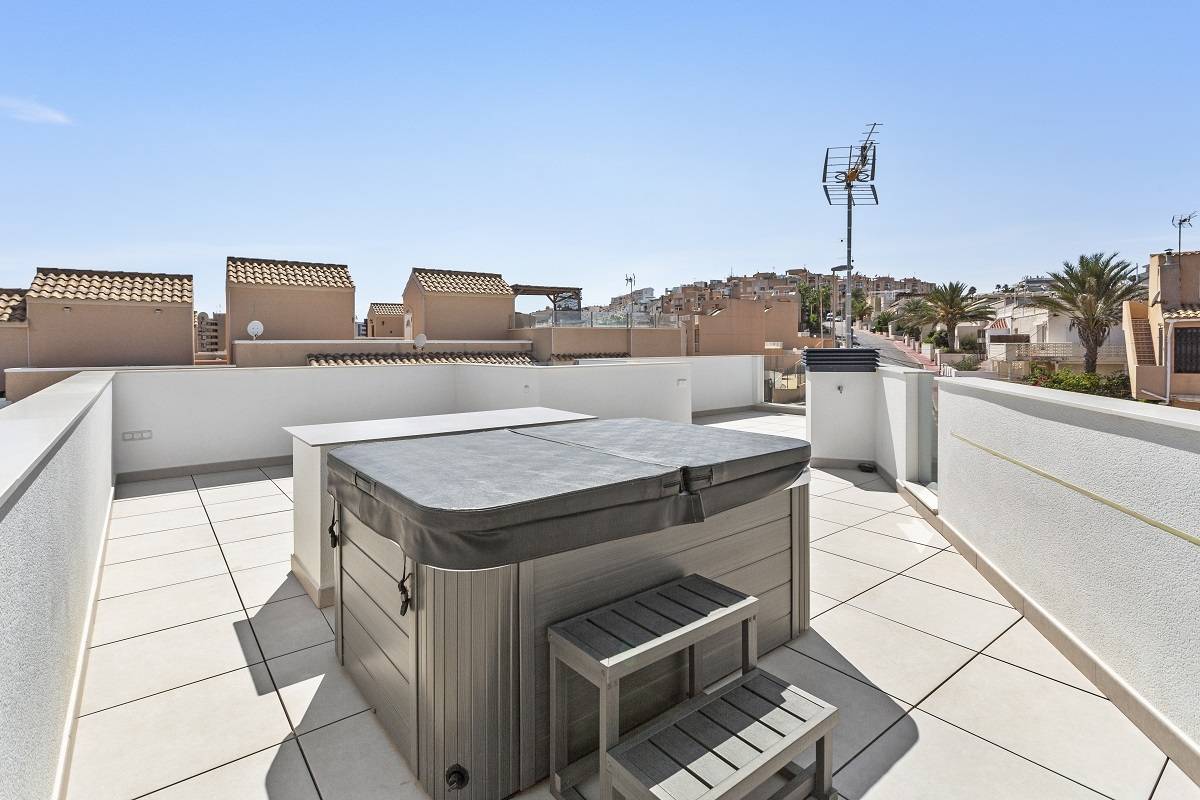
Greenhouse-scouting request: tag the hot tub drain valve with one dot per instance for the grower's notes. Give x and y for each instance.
(457, 777)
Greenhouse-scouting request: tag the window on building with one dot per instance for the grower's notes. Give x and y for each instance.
(1187, 350)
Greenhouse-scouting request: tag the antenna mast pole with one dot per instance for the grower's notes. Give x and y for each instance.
(849, 176)
(1181, 221)
(849, 303)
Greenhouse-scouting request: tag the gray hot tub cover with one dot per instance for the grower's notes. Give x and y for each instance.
(480, 500)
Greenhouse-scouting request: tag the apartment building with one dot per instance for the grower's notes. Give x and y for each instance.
(1162, 334)
(457, 304)
(644, 300)
(292, 299)
(390, 320)
(210, 332)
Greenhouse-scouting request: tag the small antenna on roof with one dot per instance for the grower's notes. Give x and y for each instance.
(420, 341)
(255, 329)
(1180, 222)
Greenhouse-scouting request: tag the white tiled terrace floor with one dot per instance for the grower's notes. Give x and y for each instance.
(212, 675)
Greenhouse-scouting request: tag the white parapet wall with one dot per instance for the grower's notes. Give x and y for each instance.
(1086, 506)
(882, 417)
(201, 417)
(55, 486)
(718, 383)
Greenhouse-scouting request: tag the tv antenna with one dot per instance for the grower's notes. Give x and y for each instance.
(255, 329)
(1180, 222)
(848, 178)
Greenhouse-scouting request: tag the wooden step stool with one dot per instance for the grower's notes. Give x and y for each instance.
(610, 642)
(725, 744)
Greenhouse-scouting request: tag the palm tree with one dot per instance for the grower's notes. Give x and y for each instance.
(951, 303)
(859, 308)
(1091, 292)
(912, 315)
(882, 320)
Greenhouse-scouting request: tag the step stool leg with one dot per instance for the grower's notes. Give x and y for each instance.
(610, 713)
(749, 644)
(823, 771)
(558, 726)
(695, 682)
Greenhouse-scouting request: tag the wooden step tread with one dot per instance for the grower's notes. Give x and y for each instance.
(652, 624)
(722, 743)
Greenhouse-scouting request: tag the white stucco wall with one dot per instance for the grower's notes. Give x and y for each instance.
(841, 415)
(212, 416)
(717, 382)
(884, 417)
(55, 486)
(720, 382)
(1128, 591)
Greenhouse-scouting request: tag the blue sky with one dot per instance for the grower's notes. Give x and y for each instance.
(572, 143)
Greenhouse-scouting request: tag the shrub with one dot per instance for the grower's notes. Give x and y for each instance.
(968, 344)
(968, 364)
(937, 339)
(1116, 385)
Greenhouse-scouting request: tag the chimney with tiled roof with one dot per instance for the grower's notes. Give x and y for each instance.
(389, 320)
(458, 304)
(292, 299)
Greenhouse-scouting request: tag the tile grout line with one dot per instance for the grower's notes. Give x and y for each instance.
(228, 571)
(295, 739)
(195, 524)
(922, 560)
(917, 706)
(1041, 675)
(1158, 780)
(270, 677)
(983, 738)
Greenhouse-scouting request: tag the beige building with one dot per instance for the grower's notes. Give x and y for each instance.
(746, 327)
(94, 318)
(1162, 334)
(292, 300)
(452, 304)
(210, 332)
(14, 331)
(390, 320)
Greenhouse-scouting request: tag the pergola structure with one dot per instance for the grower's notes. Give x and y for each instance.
(556, 294)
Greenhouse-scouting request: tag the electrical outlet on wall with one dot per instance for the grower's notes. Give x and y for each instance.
(136, 436)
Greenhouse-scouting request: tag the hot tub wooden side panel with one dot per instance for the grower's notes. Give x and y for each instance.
(752, 548)
(468, 703)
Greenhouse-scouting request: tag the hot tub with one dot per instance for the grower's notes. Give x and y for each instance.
(456, 552)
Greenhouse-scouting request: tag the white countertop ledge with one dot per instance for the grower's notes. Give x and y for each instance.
(373, 430)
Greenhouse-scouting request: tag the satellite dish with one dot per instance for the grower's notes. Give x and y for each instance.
(420, 341)
(255, 329)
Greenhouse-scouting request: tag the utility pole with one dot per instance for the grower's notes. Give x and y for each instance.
(631, 279)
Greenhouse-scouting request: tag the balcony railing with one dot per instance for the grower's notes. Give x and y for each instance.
(596, 319)
(1053, 351)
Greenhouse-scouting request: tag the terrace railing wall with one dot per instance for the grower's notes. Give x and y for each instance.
(56, 483)
(1084, 511)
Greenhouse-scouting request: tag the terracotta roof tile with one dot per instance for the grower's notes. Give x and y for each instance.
(268, 272)
(12, 305)
(577, 356)
(387, 310)
(1185, 311)
(449, 281)
(115, 287)
(392, 359)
